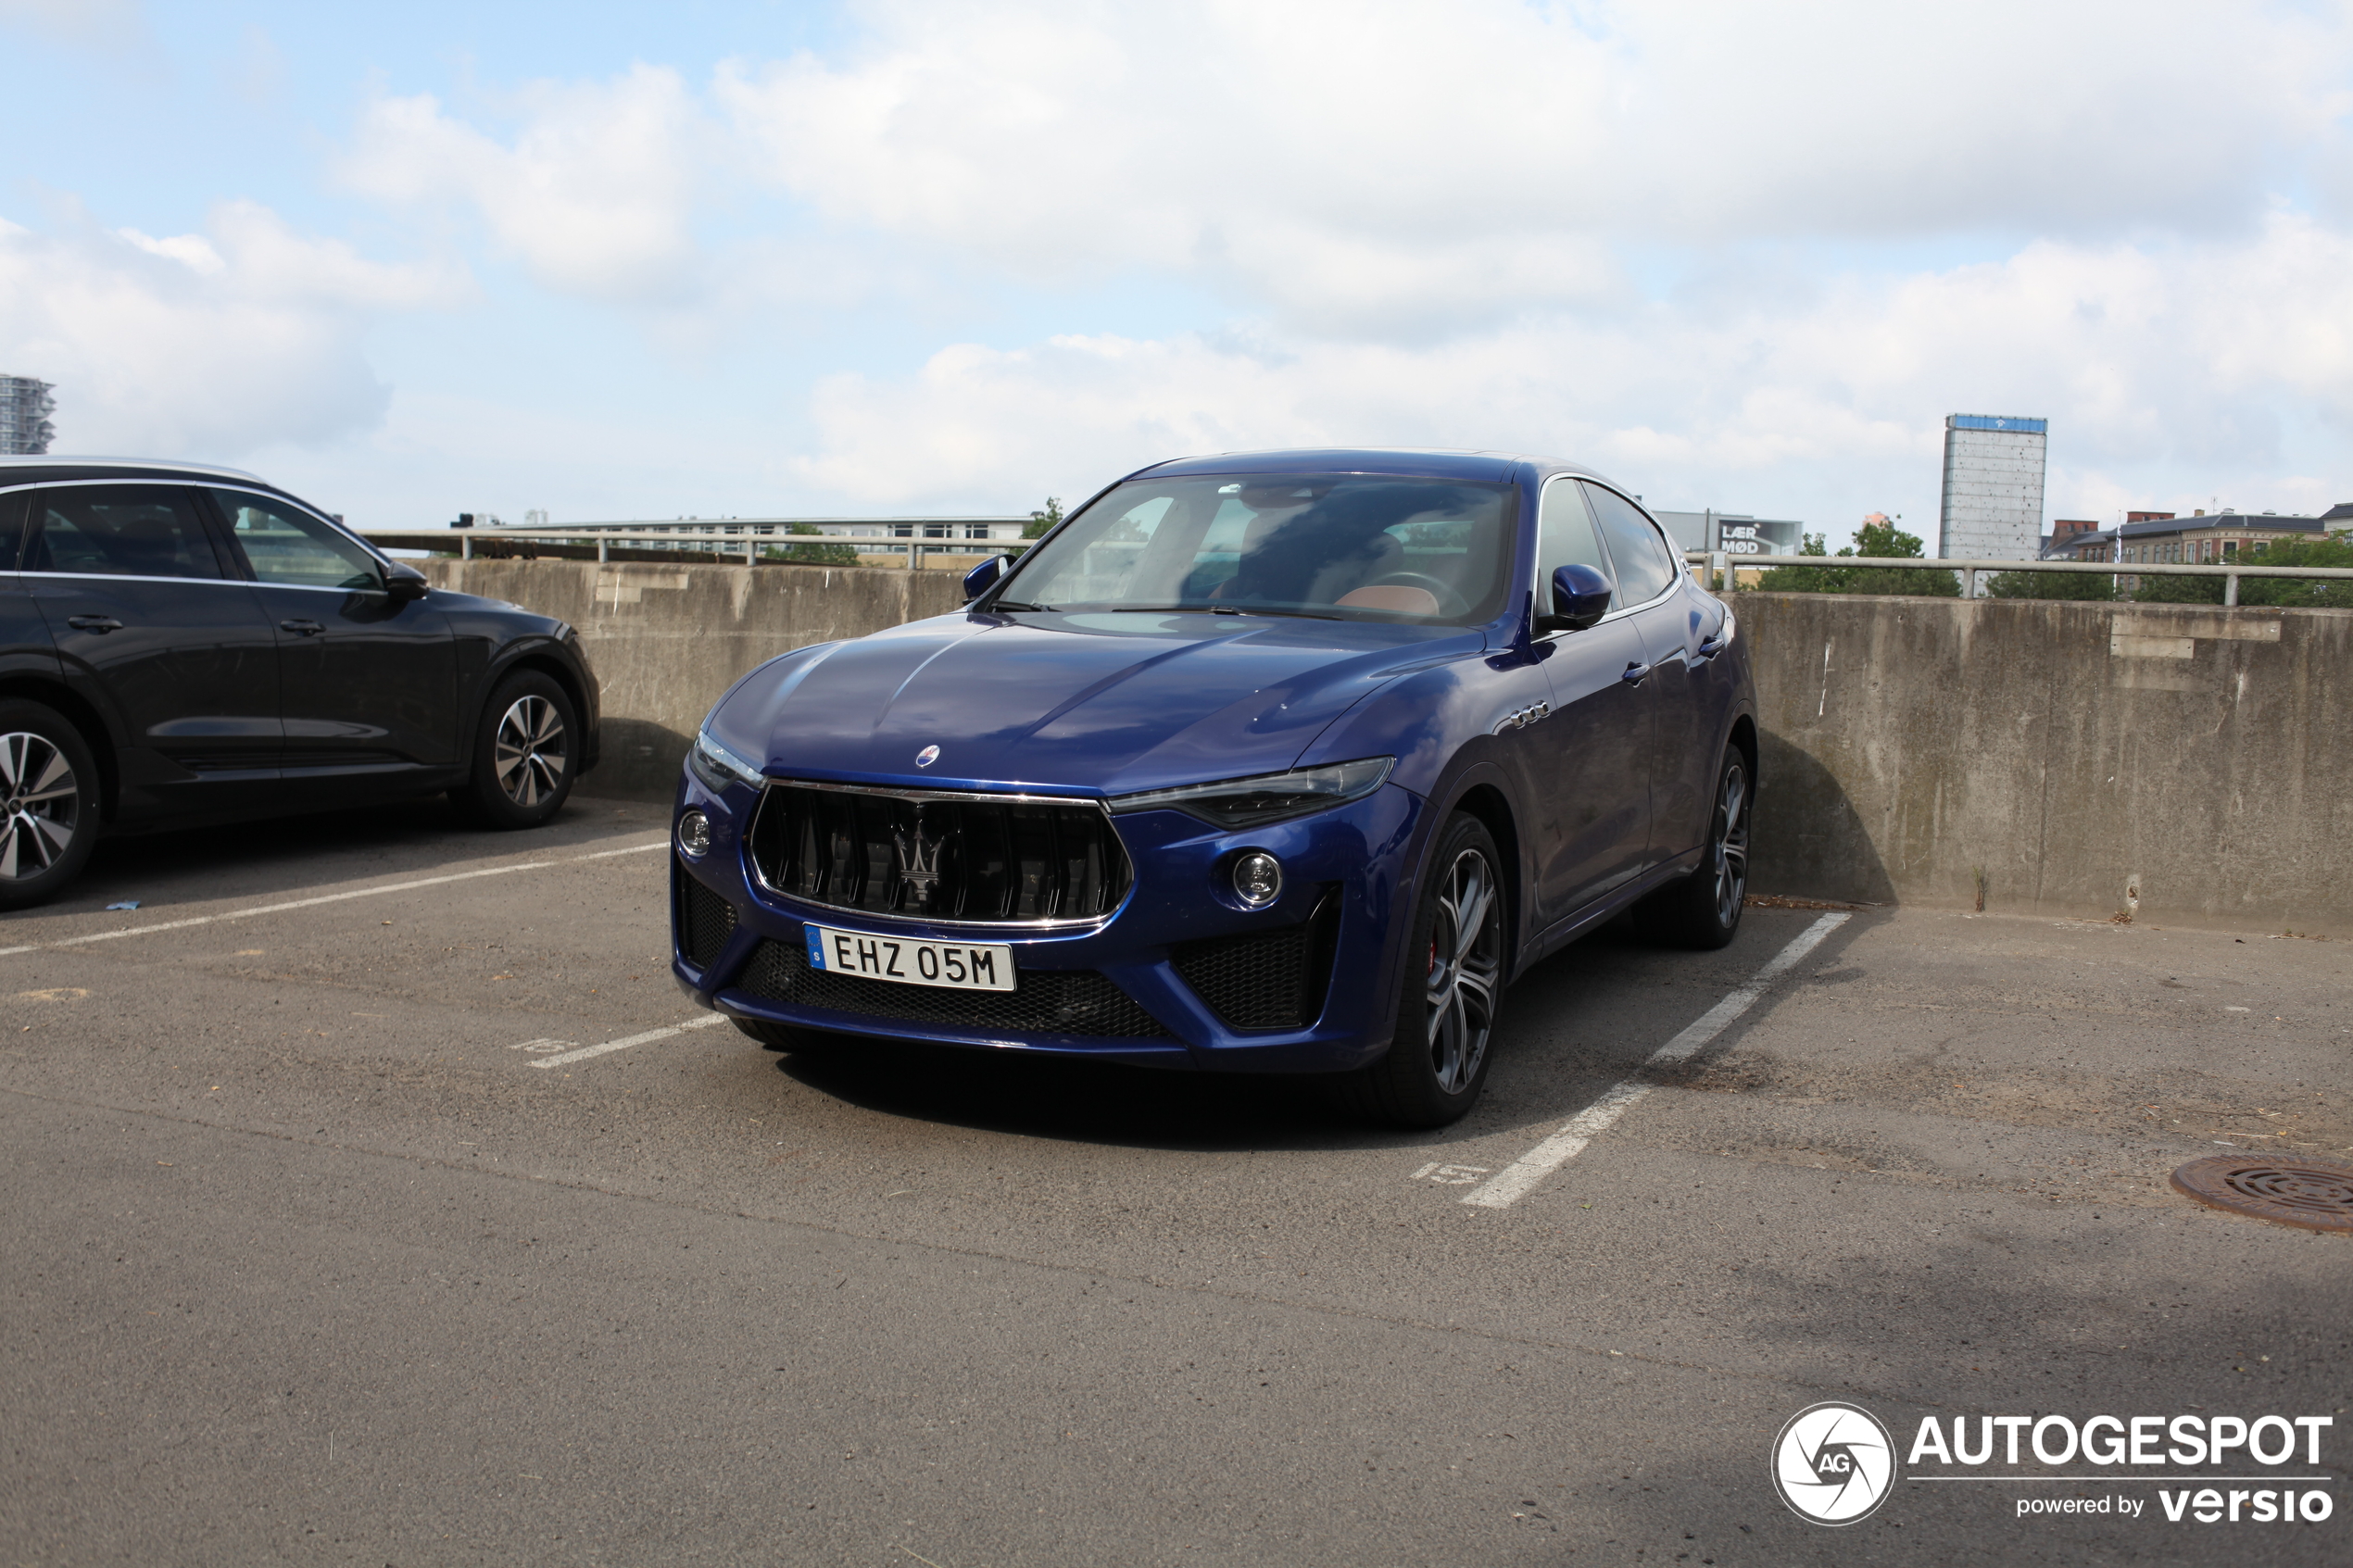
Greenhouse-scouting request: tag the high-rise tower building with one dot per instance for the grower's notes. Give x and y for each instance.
(1993, 506)
(25, 407)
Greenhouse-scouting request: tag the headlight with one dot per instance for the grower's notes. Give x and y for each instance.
(1268, 798)
(717, 767)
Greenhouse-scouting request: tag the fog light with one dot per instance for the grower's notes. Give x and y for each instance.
(1258, 879)
(694, 835)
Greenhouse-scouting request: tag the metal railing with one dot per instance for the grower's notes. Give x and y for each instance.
(706, 541)
(1719, 571)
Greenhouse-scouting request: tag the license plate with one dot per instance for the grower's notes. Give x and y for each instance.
(957, 966)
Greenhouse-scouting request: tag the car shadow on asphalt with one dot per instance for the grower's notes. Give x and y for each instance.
(1562, 1040)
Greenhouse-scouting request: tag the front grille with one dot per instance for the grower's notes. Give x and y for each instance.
(939, 857)
(1274, 980)
(1045, 1001)
(705, 921)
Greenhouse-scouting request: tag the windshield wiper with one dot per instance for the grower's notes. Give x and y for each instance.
(1219, 609)
(1014, 604)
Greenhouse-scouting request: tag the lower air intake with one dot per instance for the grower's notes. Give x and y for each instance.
(1045, 1002)
(1270, 980)
(705, 921)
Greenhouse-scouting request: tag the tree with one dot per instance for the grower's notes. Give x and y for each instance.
(813, 555)
(1042, 521)
(2336, 550)
(1882, 539)
(2051, 586)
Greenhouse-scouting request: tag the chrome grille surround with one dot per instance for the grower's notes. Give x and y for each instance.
(940, 857)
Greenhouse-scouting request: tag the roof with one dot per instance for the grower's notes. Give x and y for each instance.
(2237, 522)
(1417, 462)
(10, 467)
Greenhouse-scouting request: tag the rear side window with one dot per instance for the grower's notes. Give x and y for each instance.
(287, 545)
(119, 530)
(1645, 567)
(11, 530)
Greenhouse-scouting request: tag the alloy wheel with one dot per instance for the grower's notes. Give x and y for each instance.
(1465, 959)
(40, 805)
(1731, 844)
(527, 754)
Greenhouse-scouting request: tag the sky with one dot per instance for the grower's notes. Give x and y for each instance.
(767, 258)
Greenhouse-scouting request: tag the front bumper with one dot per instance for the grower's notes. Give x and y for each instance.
(1351, 863)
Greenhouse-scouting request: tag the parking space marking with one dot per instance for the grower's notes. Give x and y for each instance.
(328, 898)
(1517, 1179)
(585, 1053)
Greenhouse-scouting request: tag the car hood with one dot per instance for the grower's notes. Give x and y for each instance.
(1108, 703)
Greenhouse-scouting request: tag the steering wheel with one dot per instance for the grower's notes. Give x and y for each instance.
(1448, 601)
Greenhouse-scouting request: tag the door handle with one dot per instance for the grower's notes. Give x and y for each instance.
(301, 628)
(1711, 644)
(101, 625)
(1635, 674)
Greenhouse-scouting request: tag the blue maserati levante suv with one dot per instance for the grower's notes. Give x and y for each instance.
(1283, 762)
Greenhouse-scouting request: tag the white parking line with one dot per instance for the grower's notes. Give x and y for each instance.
(585, 1053)
(1515, 1180)
(328, 898)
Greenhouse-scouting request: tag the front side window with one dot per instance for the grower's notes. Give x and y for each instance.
(1644, 565)
(285, 545)
(119, 530)
(1565, 538)
(1337, 547)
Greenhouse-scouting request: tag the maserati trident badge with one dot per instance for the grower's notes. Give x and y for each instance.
(918, 860)
(926, 757)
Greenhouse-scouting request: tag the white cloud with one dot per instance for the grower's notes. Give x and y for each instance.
(100, 23)
(201, 345)
(596, 194)
(1377, 167)
(2145, 360)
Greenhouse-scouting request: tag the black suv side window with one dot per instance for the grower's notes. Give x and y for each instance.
(119, 530)
(1645, 567)
(11, 529)
(282, 544)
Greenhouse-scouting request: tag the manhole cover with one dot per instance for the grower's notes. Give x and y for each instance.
(2316, 1194)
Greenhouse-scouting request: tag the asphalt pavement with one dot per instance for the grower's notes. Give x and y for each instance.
(333, 1237)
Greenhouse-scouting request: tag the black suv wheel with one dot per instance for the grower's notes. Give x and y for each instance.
(48, 803)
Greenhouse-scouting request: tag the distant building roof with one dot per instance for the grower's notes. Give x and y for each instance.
(2072, 546)
(2341, 512)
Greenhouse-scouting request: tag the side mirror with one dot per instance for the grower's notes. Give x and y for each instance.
(980, 579)
(405, 583)
(1581, 596)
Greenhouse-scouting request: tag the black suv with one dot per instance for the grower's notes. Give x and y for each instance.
(181, 645)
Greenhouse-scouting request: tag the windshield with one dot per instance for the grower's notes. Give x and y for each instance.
(1337, 547)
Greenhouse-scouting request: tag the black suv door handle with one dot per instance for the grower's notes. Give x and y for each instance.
(301, 628)
(101, 625)
(1635, 674)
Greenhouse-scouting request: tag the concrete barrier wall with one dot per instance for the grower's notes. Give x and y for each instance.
(666, 640)
(2179, 764)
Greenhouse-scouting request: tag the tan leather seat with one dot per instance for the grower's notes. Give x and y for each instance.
(1401, 598)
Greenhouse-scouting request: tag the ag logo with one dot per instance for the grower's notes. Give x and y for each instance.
(1833, 1463)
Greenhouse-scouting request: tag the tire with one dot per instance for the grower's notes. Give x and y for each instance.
(48, 803)
(1702, 910)
(1437, 1061)
(525, 754)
